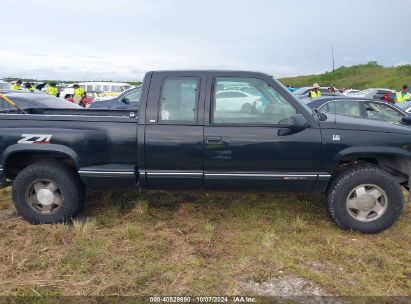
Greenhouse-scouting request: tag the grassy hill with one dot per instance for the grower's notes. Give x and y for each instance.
(362, 76)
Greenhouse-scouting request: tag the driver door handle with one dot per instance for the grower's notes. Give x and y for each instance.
(214, 139)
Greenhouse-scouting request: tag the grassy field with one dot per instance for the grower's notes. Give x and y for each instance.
(371, 75)
(171, 243)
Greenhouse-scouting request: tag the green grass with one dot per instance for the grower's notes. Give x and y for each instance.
(371, 75)
(131, 243)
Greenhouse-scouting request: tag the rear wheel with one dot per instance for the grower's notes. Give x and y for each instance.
(365, 199)
(48, 192)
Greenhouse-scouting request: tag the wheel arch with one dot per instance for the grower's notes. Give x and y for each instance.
(395, 161)
(15, 158)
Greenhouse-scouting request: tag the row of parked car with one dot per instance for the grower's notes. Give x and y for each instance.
(368, 104)
(112, 95)
(126, 98)
(360, 107)
(372, 93)
(129, 99)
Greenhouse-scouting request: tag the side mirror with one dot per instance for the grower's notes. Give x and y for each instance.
(296, 123)
(406, 119)
(321, 116)
(125, 100)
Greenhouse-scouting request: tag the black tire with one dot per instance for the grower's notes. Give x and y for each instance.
(344, 183)
(70, 189)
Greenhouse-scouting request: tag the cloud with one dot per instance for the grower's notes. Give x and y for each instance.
(120, 39)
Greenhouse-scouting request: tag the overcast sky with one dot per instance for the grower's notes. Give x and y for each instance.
(122, 39)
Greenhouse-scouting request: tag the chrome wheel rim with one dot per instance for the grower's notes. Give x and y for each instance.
(44, 196)
(367, 203)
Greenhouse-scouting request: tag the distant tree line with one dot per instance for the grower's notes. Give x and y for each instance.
(11, 79)
(360, 76)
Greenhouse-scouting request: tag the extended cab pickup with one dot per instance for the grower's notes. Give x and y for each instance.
(213, 130)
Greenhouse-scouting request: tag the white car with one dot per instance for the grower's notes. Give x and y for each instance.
(350, 91)
(373, 93)
(109, 89)
(4, 85)
(236, 101)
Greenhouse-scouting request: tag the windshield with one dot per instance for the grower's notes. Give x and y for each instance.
(405, 105)
(37, 101)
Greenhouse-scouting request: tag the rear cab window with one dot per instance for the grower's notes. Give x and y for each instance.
(179, 100)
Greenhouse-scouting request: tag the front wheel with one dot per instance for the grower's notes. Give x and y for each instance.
(48, 192)
(365, 199)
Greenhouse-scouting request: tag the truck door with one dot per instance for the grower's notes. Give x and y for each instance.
(174, 131)
(243, 146)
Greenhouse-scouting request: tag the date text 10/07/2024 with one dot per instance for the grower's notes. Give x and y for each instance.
(202, 299)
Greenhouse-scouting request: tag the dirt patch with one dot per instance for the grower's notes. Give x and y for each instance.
(288, 286)
(8, 214)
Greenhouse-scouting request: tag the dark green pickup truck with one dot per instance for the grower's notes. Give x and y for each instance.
(212, 130)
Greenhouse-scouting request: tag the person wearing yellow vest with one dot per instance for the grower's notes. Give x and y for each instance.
(17, 85)
(29, 86)
(78, 94)
(403, 95)
(52, 89)
(315, 92)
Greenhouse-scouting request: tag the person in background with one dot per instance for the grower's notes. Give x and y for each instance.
(40, 86)
(403, 95)
(17, 85)
(29, 86)
(315, 91)
(290, 88)
(52, 89)
(79, 93)
(332, 90)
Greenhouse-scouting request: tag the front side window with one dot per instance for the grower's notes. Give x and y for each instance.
(178, 101)
(249, 101)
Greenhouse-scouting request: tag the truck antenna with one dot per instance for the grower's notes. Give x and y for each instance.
(10, 102)
(333, 84)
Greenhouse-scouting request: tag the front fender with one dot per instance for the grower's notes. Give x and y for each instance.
(368, 152)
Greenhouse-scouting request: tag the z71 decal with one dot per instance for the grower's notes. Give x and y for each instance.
(35, 139)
